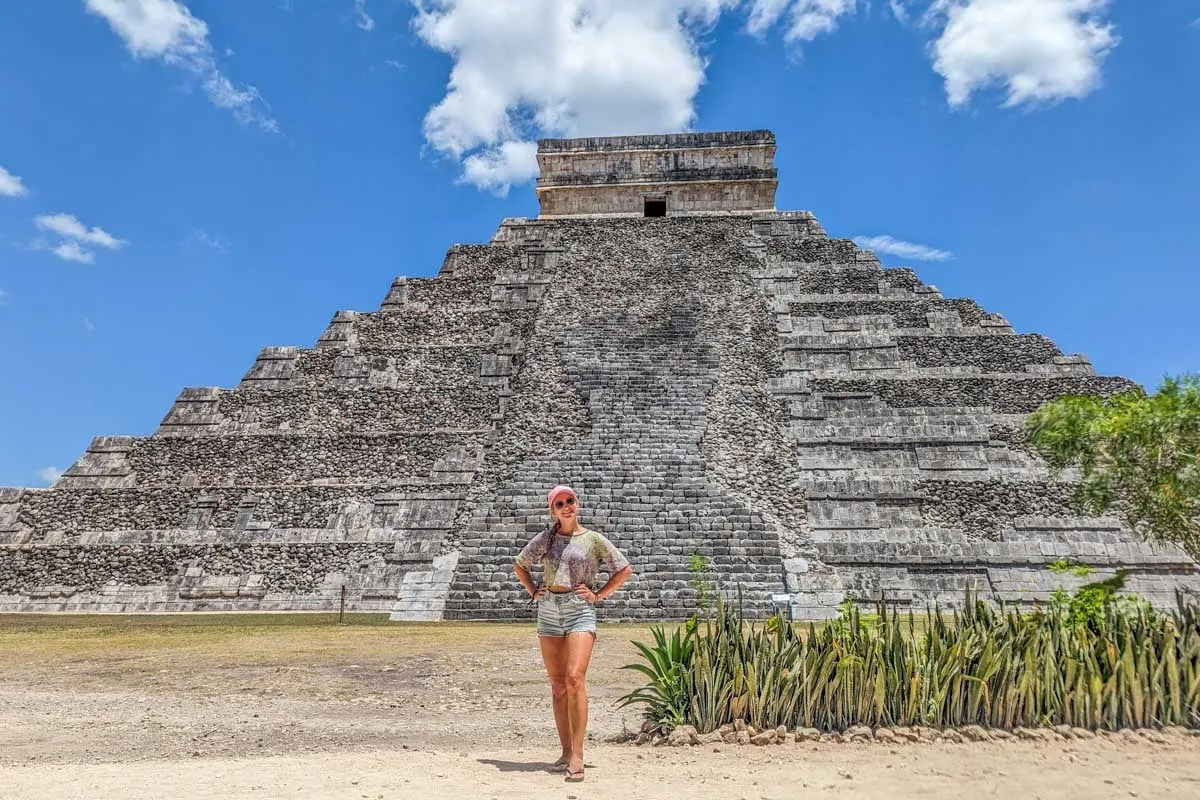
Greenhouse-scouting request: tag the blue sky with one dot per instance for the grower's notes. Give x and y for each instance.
(184, 182)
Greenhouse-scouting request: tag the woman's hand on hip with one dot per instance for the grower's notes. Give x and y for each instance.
(586, 594)
(539, 593)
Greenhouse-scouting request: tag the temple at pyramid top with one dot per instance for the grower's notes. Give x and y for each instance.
(726, 172)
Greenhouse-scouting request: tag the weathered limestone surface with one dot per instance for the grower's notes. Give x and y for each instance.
(645, 385)
(737, 386)
(692, 173)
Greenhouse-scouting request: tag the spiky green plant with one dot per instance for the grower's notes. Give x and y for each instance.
(667, 696)
(703, 583)
(1122, 664)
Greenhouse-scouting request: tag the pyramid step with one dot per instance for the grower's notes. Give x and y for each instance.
(296, 511)
(479, 260)
(347, 367)
(886, 455)
(919, 430)
(372, 410)
(1009, 394)
(278, 459)
(423, 592)
(914, 312)
(474, 326)
(443, 292)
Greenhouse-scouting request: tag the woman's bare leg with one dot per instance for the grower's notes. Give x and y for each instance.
(579, 653)
(554, 654)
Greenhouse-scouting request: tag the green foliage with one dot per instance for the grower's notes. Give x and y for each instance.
(1090, 603)
(851, 616)
(668, 667)
(702, 582)
(1062, 566)
(1137, 454)
(1118, 664)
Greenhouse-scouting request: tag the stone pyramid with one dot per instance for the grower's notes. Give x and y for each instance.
(716, 378)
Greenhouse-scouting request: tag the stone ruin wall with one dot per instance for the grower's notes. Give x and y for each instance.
(692, 198)
(709, 173)
(743, 388)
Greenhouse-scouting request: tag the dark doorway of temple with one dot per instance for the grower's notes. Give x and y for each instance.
(656, 208)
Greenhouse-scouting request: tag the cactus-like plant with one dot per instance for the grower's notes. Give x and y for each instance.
(1125, 665)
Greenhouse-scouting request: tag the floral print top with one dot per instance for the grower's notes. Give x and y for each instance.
(570, 560)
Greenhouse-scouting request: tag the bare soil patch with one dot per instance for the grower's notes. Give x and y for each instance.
(298, 706)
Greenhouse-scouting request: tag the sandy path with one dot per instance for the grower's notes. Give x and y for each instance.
(1097, 770)
(101, 709)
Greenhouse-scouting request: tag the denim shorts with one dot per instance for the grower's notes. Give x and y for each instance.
(560, 614)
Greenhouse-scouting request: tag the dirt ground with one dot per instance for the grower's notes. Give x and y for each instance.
(294, 706)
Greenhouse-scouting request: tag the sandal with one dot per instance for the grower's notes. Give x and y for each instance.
(574, 776)
(559, 766)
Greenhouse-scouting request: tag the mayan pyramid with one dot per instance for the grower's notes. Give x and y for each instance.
(714, 376)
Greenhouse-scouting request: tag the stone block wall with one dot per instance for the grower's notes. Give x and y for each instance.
(906, 411)
(327, 470)
(694, 173)
(628, 200)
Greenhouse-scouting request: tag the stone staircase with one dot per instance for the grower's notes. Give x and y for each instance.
(629, 343)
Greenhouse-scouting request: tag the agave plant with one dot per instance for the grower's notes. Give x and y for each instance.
(1120, 665)
(667, 696)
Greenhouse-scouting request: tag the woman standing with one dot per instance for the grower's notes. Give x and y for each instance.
(570, 556)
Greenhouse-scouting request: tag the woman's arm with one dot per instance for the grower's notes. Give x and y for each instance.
(531, 554)
(614, 583)
(526, 579)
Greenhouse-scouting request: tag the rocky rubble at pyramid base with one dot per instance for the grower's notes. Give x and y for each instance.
(741, 733)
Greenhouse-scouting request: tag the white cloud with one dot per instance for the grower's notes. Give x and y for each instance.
(805, 19)
(71, 251)
(529, 68)
(49, 474)
(902, 249)
(363, 19)
(67, 226)
(75, 235)
(391, 62)
(11, 185)
(764, 14)
(202, 237)
(559, 67)
(242, 101)
(1038, 50)
(166, 30)
(499, 167)
(88, 325)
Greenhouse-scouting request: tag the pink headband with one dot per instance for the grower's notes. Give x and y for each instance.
(556, 491)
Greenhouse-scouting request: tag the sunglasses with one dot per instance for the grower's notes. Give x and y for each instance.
(569, 501)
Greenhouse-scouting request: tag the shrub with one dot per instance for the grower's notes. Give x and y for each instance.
(1062, 566)
(1138, 455)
